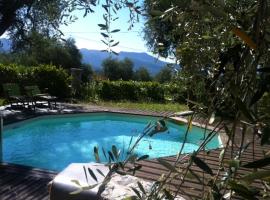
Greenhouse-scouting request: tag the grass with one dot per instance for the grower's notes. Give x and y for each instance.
(175, 107)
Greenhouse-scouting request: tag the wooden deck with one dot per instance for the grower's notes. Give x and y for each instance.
(192, 188)
(23, 183)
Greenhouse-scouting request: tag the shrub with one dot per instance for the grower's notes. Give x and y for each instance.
(176, 92)
(154, 91)
(131, 90)
(8, 74)
(110, 90)
(56, 80)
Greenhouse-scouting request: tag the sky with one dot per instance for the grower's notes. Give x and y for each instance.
(86, 31)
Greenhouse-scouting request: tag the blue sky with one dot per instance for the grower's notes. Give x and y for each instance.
(86, 31)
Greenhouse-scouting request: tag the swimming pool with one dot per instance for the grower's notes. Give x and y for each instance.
(53, 142)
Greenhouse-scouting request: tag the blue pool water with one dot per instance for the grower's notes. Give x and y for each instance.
(53, 142)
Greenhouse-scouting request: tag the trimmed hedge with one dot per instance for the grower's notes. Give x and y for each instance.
(55, 80)
(131, 90)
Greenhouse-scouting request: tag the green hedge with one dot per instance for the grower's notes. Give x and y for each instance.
(176, 92)
(131, 90)
(55, 80)
(9, 73)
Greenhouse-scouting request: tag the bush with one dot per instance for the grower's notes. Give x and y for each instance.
(176, 92)
(131, 90)
(154, 91)
(56, 80)
(8, 74)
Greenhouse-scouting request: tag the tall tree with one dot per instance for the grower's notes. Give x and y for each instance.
(44, 50)
(164, 75)
(19, 17)
(74, 53)
(35, 15)
(226, 44)
(115, 69)
(110, 68)
(142, 74)
(126, 69)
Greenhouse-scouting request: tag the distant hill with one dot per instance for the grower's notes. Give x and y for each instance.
(5, 45)
(95, 58)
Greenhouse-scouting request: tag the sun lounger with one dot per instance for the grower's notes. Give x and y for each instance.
(62, 184)
(13, 94)
(35, 94)
(118, 188)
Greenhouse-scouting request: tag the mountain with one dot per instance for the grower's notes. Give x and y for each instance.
(95, 58)
(5, 45)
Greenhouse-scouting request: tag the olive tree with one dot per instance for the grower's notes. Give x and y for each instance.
(226, 44)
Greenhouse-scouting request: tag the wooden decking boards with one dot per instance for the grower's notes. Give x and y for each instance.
(23, 183)
(17, 182)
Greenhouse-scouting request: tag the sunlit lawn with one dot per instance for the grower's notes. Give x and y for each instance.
(175, 107)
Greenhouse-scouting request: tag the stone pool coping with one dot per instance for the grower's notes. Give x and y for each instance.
(14, 116)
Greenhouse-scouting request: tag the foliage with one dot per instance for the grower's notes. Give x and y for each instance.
(224, 47)
(87, 73)
(55, 80)
(90, 91)
(115, 69)
(110, 15)
(165, 75)
(126, 69)
(175, 92)
(142, 74)
(132, 91)
(39, 49)
(19, 17)
(111, 69)
(9, 73)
